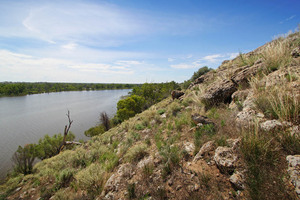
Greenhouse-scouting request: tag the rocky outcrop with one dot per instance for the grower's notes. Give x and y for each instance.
(294, 171)
(243, 74)
(271, 125)
(113, 183)
(219, 92)
(176, 94)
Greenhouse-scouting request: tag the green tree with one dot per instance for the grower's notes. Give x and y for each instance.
(23, 158)
(49, 146)
(129, 107)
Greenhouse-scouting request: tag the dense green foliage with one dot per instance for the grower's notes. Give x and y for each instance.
(49, 146)
(142, 98)
(197, 74)
(15, 89)
(23, 158)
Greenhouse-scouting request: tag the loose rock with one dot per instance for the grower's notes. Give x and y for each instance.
(294, 171)
(225, 159)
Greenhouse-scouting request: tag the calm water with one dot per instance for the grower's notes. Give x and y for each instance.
(26, 119)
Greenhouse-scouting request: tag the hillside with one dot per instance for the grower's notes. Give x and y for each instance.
(234, 134)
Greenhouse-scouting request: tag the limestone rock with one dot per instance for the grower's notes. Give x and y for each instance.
(245, 118)
(270, 125)
(294, 171)
(238, 180)
(219, 92)
(125, 170)
(240, 95)
(144, 162)
(243, 74)
(207, 147)
(225, 159)
(189, 147)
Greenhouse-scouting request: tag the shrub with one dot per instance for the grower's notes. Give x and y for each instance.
(24, 157)
(97, 130)
(92, 179)
(136, 153)
(49, 146)
(64, 178)
(131, 191)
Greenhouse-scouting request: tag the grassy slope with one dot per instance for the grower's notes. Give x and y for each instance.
(83, 172)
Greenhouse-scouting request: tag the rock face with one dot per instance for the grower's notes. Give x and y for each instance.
(270, 125)
(176, 94)
(244, 73)
(294, 171)
(219, 92)
(207, 147)
(113, 183)
(225, 159)
(238, 180)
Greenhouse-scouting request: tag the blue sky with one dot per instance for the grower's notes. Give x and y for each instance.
(132, 41)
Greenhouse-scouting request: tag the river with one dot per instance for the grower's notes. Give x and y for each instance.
(26, 119)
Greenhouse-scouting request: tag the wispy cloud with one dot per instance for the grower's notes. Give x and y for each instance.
(24, 67)
(287, 19)
(209, 60)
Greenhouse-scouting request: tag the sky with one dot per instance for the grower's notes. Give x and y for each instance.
(132, 41)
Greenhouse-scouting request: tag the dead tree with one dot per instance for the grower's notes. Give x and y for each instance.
(66, 131)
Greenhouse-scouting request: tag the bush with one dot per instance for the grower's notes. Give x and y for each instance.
(97, 130)
(49, 146)
(136, 153)
(105, 121)
(92, 179)
(24, 157)
(64, 178)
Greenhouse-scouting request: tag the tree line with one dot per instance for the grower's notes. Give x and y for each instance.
(24, 88)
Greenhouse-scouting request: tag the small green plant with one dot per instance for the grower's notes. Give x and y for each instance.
(131, 191)
(161, 111)
(64, 178)
(139, 127)
(205, 179)
(148, 169)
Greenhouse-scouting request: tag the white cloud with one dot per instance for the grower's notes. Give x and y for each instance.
(20, 67)
(69, 46)
(209, 60)
(287, 19)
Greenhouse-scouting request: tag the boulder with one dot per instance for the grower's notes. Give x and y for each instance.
(240, 95)
(245, 118)
(207, 147)
(237, 179)
(189, 147)
(225, 159)
(201, 119)
(176, 94)
(219, 92)
(294, 171)
(242, 75)
(270, 125)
